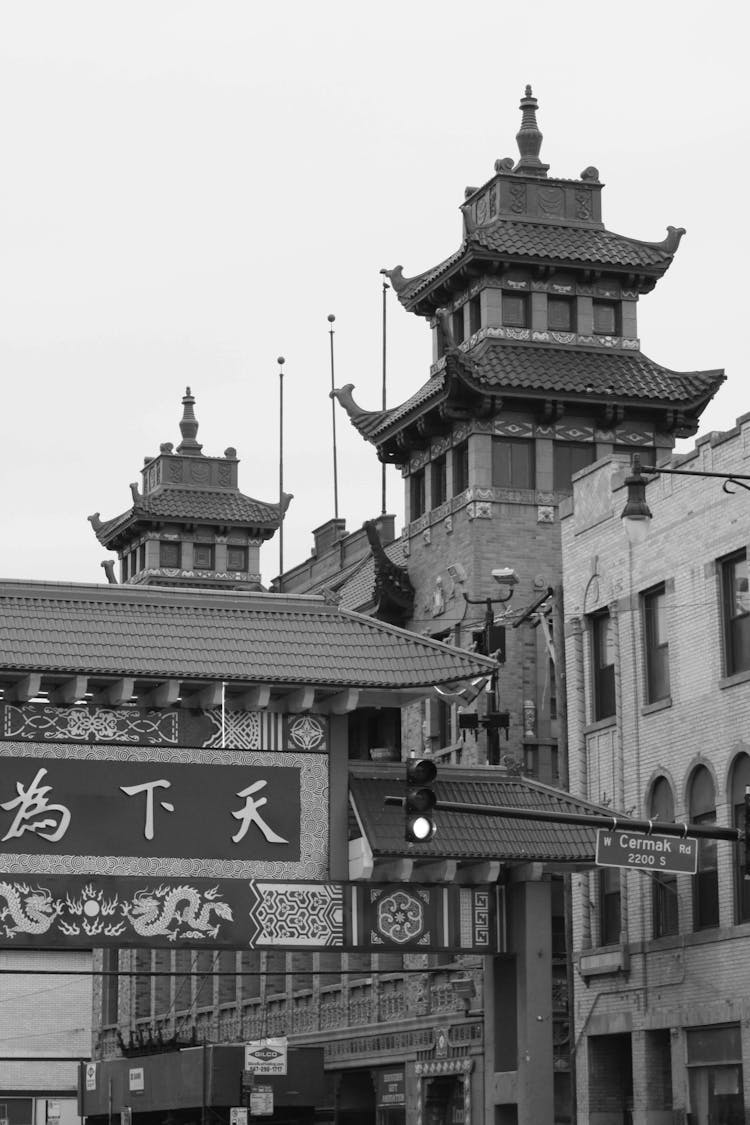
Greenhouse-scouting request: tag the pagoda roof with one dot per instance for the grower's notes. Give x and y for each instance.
(524, 242)
(247, 638)
(526, 371)
(210, 505)
(475, 837)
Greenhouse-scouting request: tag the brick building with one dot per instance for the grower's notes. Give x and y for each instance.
(658, 668)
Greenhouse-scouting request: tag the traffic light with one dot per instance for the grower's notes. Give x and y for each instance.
(419, 824)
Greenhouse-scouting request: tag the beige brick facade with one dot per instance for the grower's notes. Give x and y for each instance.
(641, 996)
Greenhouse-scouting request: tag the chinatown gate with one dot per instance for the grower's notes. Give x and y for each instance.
(176, 790)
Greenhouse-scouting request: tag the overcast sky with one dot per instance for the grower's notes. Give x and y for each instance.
(189, 189)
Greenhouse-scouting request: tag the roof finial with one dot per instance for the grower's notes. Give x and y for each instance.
(529, 138)
(188, 426)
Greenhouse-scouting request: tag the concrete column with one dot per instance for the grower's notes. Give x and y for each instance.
(538, 312)
(585, 314)
(544, 464)
(480, 460)
(628, 319)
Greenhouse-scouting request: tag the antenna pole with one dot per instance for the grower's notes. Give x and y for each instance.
(281, 362)
(331, 319)
(386, 287)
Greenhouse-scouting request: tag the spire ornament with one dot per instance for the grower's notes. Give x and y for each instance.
(529, 138)
(188, 426)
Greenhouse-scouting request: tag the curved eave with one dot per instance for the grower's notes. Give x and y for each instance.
(116, 532)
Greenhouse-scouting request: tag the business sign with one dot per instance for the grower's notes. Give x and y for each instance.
(624, 848)
(237, 1115)
(266, 1056)
(91, 1076)
(261, 1101)
(390, 1089)
(135, 1080)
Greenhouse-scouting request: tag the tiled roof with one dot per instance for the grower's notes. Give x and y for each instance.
(571, 370)
(548, 241)
(209, 505)
(255, 637)
(539, 369)
(462, 836)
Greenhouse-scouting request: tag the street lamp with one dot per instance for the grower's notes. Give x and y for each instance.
(493, 643)
(636, 514)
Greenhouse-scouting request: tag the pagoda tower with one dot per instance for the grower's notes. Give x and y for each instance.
(537, 372)
(189, 524)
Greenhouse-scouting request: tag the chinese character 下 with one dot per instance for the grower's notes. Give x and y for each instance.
(148, 788)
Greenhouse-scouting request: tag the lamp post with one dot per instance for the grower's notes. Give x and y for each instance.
(636, 514)
(494, 643)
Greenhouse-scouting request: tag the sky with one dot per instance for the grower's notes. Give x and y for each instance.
(189, 189)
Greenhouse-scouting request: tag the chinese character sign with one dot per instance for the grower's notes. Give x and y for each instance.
(234, 807)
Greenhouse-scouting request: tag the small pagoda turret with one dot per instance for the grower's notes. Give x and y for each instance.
(189, 524)
(535, 315)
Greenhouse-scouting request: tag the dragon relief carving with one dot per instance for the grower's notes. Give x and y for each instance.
(153, 912)
(31, 909)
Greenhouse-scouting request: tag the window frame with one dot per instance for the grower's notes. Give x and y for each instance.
(211, 556)
(735, 626)
(513, 462)
(164, 546)
(242, 548)
(601, 303)
(560, 301)
(417, 497)
(438, 481)
(656, 650)
(511, 319)
(562, 473)
(706, 905)
(610, 906)
(664, 897)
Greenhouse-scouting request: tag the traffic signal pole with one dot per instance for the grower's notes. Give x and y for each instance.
(596, 820)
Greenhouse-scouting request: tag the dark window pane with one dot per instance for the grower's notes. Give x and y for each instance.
(568, 458)
(560, 312)
(515, 310)
(142, 984)
(182, 982)
(227, 978)
(657, 647)
(302, 965)
(142, 557)
(205, 962)
(458, 326)
(475, 315)
(706, 881)
(250, 978)
(609, 905)
(275, 972)
(110, 986)
(162, 982)
(512, 463)
(169, 554)
(605, 318)
(740, 779)
(460, 467)
(416, 492)
(603, 666)
(439, 481)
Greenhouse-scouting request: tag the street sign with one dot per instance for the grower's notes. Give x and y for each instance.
(237, 1115)
(623, 848)
(266, 1056)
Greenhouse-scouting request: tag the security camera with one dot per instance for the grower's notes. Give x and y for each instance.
(505, 576)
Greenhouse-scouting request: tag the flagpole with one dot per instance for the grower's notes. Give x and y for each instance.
(331, 319)
(386, 287)
(281, 362)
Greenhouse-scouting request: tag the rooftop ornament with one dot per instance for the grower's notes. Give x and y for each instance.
(636, 515)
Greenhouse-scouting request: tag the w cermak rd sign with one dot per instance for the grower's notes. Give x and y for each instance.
(623, 848)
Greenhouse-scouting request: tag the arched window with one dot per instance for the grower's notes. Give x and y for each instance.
(664, 887)
(706, 881)
(740, 778)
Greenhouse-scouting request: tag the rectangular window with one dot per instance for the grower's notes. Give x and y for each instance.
(416, 495)
(142, 984)
(567, 458)
(512, 463)
(460, 467)
(736, 612)
(183, 963)
(475, 315)
(561, 314)
(124, 567)
(742, 885)
(706, 881)
(609, 906)
(603, 658)
(458, 325)
(515, 310)
(170, 555)
(236, 558)
(439, 481)
(203, 556)
(227, 977)
(142, 557)
(605, 318)
(654, 611)
(250, 974)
